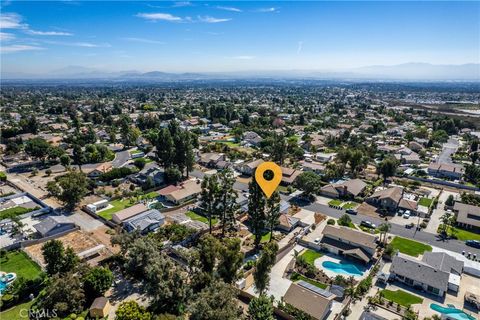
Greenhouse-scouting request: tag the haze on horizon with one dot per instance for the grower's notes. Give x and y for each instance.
(43, 37)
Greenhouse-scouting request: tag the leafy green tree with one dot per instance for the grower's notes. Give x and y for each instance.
(209, 251)
(78, 156)
(64, 293)
(165, 148)
(227, 199)
(231, 259)
(261, 308)
(345, 220)
(256, 211)
(387, 168)
(130, 310)
(73, 186)
(215, 302)
(384, 228)
(273, 212)
(210, 198)
(53, 252)
(37, 148)
(264, 265)
(65, 160)
(309, 182)
(450, 201)
(279, 148)
(173, 175)
(97, 281)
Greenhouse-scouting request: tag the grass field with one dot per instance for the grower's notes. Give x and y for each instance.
(21, 264)
(16, 211)
(401, 297)
(296, 277)
(192, 215)
(368, 230)
(15, 314)
(349, 205)
(461, 234)
(117, 206)
(426, 202)
(410, 247)
(310, 256)
(335, 202)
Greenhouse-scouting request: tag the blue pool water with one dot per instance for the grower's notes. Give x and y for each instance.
(3, 287)
(342, 268)
(452, 313)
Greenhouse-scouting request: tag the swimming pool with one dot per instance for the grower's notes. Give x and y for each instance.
(3, 287)
(452, 313)
(342, 268)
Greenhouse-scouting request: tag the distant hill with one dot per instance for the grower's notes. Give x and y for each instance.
(404, 72)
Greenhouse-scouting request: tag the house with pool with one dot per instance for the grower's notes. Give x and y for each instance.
(349, 243)
(436, 273)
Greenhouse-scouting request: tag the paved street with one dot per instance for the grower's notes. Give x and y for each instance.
(449, 148)
(435, 222)
(400, 230)
(120, 159)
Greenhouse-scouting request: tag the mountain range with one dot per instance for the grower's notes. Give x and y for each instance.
(404, 72)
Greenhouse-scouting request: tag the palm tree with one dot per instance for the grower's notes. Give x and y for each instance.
(384, 228)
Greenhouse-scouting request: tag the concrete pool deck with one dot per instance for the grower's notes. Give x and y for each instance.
(337, 259)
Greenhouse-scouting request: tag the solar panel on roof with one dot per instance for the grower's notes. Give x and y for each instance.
(315, 289)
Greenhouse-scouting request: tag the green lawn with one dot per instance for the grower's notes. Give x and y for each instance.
(410, 247)
(230, 143)
(15, 314)
(310, 256)
(335, 202)
(401, 297)
(117, 206)
(150, 195)
(192, 215)
(296, 277)
(368, 230)
(21, 264)
(426, 202)
(14, 212)
(349, 205)
(461, 234)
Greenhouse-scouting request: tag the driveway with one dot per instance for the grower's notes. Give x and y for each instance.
(449, 148)
(435, 222)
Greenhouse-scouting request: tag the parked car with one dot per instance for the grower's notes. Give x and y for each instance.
(407, 214)
(473, 243)
(409, 225)
(368, 224)
(351, 211)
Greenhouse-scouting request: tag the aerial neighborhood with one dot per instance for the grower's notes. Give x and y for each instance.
(134, 201)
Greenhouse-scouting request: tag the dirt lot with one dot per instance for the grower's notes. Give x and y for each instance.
(80, 241)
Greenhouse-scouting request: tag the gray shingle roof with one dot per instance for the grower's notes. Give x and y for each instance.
(443, 261)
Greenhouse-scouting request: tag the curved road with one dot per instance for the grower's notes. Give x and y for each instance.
(120, 159)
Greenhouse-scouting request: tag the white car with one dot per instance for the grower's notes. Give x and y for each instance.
(407, 214)
(317, 241)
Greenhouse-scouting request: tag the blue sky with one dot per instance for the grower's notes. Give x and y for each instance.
(196, 36)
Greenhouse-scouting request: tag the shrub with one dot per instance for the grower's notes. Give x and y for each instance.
(331, 221)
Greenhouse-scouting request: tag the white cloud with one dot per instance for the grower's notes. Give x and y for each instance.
(300, 47)
(208, 19)
(243, 57)
(272, 9)
(229, 9)
(49, 33)
(11, 21)
(18, 48)
(88, 44)
(159, 16)
(143, 40)
(6, 36)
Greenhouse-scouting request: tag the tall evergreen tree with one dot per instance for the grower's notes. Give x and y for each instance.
(256, 211)
(228, 197)
(209, 198)
(273, 212)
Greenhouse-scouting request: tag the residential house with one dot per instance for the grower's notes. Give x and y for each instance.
(287, 222)
(415, 146)
(252, 138)
(289, 175)
(189, 190)
(349, 242)
(324, 157)
(96, 206)
(145, 222)
(316, 167)
(127, 213)
(211, 159)
(247, 168)
(436, 273)
(312, 300)
(446, 170)
(97, 171)
(468, 216)
(152, 170)
(54, 225)
(350, 188)
(386, 199)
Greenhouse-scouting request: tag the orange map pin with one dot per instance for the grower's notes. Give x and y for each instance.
(268, 186)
